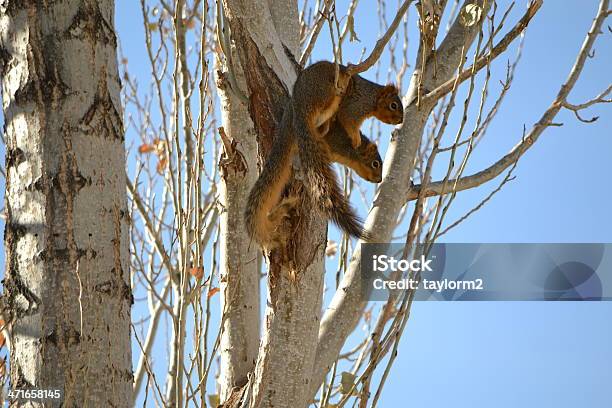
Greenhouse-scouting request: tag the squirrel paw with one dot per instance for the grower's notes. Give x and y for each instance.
(282, 210)
(279, 218)
(324, 129)
(342, 83)
(354, 136)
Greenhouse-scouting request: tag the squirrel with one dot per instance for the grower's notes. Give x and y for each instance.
(321, 92)
(364, 160)
(316, 101)
(265, 210)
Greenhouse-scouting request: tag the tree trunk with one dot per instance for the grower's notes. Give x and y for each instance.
(286, 355)
(67, 286)
(239, 266)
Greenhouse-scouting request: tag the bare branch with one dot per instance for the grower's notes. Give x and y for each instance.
(598, 99)
(143, 362)
(545, 121)
(380, 44)
(506, 179)
(147, 366)
(157, 242)
(482, 62)
(323, 15)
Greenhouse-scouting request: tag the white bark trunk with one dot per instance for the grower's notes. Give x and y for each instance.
(239, 267)
(286, 359)
(67, 280)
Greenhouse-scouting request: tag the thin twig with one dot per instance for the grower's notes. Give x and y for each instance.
(380, 44)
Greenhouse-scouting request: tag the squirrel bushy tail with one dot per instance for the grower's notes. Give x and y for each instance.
(322, 183)
(323, 94)
(268, 189)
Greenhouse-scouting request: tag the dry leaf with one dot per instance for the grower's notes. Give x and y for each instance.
(146, 148)
(2, 339)
(197, 272)
(346, 382)
(351, 27)
(189, 24)
(367, 315)
(160, 146)
(212, 292)
(332, 249)
(214, 400)
(162, 164)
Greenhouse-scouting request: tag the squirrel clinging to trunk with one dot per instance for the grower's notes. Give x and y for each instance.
(322, 125)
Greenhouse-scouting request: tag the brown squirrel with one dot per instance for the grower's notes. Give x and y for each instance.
(315, 102)
(324, 91)
(265, 210)
(364, 160)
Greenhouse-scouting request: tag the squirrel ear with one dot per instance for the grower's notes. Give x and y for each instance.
(388, 90)
(371, 148)
(392, 87)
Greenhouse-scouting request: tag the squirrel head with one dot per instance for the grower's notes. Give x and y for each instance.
(389, 108)
(371, 165)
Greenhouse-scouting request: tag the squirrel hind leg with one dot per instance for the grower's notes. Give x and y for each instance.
(282, 210)
(279, 219)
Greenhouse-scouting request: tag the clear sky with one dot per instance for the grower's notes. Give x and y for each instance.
(522, 354)
(507, 354)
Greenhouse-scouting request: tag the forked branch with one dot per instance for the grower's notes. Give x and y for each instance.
(477, 179)
(484, 60)
(381, 43)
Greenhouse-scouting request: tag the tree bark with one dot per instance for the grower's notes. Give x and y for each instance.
(239, 266)
(67, 283)
(286, 355)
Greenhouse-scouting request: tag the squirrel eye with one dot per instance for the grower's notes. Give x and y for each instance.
(393, 106)
(375, 164)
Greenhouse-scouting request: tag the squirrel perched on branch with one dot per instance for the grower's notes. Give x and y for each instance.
(322, 125)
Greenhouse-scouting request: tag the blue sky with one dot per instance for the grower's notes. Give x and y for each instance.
(521, 354)
(526, 354)
(506, 354)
